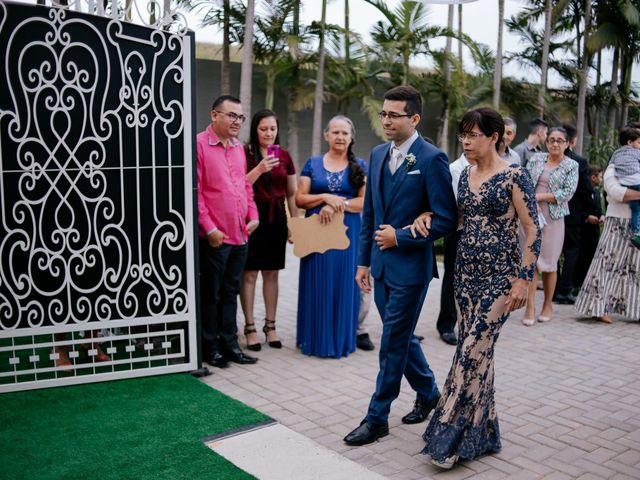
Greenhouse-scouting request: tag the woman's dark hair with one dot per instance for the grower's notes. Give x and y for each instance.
(628, 134)
(356, 173)
(561, 130)
(254, 143)
(487, 120)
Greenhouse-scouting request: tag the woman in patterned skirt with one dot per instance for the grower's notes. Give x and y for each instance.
(612, 284)
(492, 275)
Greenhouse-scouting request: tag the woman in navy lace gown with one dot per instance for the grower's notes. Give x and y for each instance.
(492, 274)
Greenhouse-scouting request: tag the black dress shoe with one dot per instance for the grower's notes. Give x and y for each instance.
(564, 299)
(238, 356)
(419, 337)
(363, 342)
(216, 359)
(421, 410)
(449, 337)
(366, 433)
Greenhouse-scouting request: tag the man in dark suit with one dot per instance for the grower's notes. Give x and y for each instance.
(564, 293)
(407, 177)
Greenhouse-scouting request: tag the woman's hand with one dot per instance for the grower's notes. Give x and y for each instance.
(326, 214)
(334, 201)
(267, 164)
(517, 295)
(422, 224)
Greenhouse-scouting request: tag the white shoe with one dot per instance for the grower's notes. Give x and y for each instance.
(448, 463)
(528, 322)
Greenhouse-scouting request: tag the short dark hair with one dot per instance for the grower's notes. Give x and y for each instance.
(628, 134)
(410, 95)
(486, 119)
(537, 123)
(571, 130)
(254, 143)
(561, 130)
(594, 169)
(224, 98)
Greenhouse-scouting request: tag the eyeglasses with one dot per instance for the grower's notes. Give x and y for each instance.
(556, 141)
(233, 116)
(392, 115)
(470, 135)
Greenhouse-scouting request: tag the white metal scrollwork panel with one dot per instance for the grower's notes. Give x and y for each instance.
(96, 239)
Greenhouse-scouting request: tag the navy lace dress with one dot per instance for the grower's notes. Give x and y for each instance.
(489, 258)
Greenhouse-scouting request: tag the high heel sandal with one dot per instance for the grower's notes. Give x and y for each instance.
(248, 329)
(270, 326)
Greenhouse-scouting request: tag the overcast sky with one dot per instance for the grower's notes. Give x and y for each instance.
(479, 21)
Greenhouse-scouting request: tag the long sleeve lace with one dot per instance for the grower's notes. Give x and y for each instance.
(524, 201)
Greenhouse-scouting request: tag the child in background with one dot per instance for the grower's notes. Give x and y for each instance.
(627, 164)
(590, 228)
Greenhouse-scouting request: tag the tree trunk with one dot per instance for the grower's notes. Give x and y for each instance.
(443, 134)
(347, 33)
(271, 87)
(225, 73)
(460, 35)
(246, 74)
(497, 73)
(626, 90)
(583, 80)
(292, 114)
(316, 140)
(347, 50)
(598, 110)
(545, 58)
(611, 110)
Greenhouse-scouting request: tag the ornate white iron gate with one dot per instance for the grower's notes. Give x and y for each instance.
(96, 195)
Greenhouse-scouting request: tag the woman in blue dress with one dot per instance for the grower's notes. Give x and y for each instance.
(328, 297)
(492, 275)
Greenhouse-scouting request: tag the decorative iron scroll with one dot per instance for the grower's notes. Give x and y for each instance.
(96, 236)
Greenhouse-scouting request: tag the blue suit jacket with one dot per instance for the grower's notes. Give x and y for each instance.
(412, 262)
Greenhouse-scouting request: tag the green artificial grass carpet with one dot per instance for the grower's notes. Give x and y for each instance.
(146, 428)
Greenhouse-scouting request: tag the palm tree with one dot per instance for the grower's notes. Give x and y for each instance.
(316, 132)
(584, 79)
(618, 27)
(246, 74)
(443, 130)
(545, 56)
(216, 12)
(497, 74)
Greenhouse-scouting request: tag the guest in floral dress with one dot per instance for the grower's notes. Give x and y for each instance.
(555, 177)
(492, 276)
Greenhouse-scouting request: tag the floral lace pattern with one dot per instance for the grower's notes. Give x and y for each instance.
(465, 422)
(334, 180)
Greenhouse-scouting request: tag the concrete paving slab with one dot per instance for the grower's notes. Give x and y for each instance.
(277, 453)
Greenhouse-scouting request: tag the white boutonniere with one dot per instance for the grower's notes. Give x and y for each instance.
(410, 161)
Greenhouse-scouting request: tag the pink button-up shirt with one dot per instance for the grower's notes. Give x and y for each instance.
(225, 196)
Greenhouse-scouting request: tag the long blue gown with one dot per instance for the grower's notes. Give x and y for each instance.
(328, 297)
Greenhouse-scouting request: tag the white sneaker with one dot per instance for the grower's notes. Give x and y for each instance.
(448, 463)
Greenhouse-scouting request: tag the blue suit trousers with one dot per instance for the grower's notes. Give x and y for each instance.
(400, 350)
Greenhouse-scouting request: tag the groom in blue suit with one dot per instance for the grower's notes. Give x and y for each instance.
(407, 176)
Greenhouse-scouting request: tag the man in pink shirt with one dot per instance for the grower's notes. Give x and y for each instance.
(227, 215)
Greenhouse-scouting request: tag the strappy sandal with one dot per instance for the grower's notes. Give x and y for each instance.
(250, 328)
(270, 326)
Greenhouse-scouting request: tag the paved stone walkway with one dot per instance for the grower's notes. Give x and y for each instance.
(567, 392)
